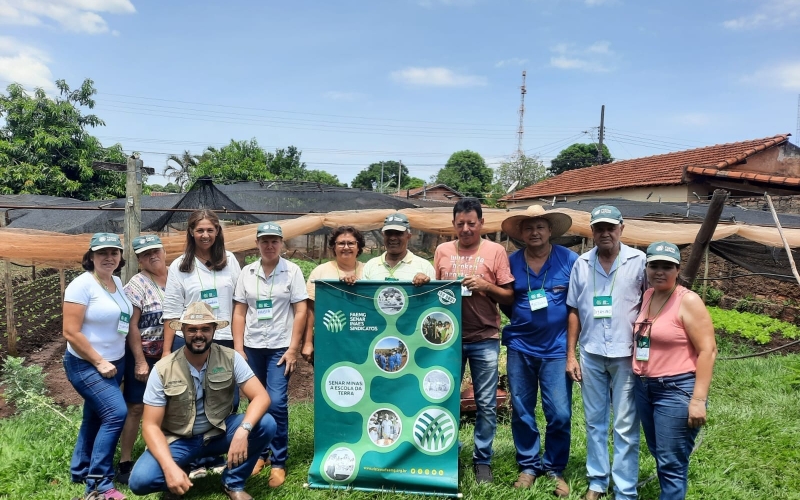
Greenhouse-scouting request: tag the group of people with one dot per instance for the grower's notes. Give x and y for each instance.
(189, 338)
(389, 362)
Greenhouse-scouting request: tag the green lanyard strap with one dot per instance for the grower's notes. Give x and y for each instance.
(158, 288)
(258, 281)
(127, 307)
(613, 280)
(528, 269)
(653, 321)
(196, 265)
(386, 265)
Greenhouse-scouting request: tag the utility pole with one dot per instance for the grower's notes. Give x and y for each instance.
(797, 133)
(381, 177)
(521, 130)
(600, 135)
(399, 174)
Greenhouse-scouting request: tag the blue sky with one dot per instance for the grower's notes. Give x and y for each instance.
(353, 82)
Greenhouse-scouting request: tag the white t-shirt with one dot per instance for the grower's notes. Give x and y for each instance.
(285, 286)
(101, 319)
(184, 288)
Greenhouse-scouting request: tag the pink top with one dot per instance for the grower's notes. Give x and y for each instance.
(671, 351)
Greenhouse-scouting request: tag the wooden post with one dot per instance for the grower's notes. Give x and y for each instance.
(705, 279)
(703, 238)
(133, 215)
(11, 323)
(783, 238)
(62, 281)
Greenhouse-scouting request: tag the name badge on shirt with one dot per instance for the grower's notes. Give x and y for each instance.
(537, 299)
(210, 297)
(264, 309)
(465, 292)
(643, 349)
(124, 323)
(602, 306)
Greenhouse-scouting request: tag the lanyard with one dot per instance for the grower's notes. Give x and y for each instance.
(158, 287)
(528, 269)
(477, 254)
(258, 281)
(390, 269)
(613, 280)
(653, 321)
(196, 265)
(112, 296)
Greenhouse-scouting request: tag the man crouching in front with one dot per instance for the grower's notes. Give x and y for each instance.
(188, 412)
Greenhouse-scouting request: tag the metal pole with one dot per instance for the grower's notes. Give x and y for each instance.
(600, 135)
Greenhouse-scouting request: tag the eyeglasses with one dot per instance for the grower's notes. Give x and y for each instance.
(342, 244)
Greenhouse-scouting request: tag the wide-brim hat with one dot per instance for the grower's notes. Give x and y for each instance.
(197, 313)
(559, 223)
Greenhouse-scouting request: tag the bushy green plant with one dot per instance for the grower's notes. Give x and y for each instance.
(751, 304)
(25, 388)
(751, 326)
(713, 295)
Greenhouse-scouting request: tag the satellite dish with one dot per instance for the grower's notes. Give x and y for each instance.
(511, 188)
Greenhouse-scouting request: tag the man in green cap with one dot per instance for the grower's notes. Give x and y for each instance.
(397, 263)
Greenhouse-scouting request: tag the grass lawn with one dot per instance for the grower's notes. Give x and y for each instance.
(749, 449)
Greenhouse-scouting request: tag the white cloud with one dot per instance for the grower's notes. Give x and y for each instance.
(335, 95)
(436, 77)
(784, 76)
(24, 64)
(595, 58)
(514, 61)
(80, 16)
(770, 14)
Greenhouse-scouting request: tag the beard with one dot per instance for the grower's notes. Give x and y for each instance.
(200, 350)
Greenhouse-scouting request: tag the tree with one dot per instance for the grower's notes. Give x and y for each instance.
(527, 170)
(181, 171)
(466, 172)
(323, 177)
(236, 161)
(578, 156)
(45, 147)
(170, 187)
(285, 164)
(370, 177)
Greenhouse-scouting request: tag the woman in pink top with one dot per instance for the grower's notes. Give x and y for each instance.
(673, 360)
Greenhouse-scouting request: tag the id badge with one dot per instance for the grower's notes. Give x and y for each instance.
(210, 298)
(537, 299)
(124, 323)
(643, 349)
(264, 309)
(602, 306)
(391, 279)
(465, 292)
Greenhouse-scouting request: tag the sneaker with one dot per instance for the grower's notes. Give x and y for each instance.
(198, 473)
(123, 472)
(483, 473)
(217, 469)
(113, 494)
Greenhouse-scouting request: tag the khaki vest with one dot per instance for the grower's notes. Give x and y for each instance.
(218, 387)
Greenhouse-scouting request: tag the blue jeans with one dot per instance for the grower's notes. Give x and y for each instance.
(482, 357)
(526, 374)
(264, 363)
(104, 414)
(663, 404)
(148, 477)
(608, 383)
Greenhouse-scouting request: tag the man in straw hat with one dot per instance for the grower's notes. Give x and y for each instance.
(482, 267)
(189, 414)
(536, 340)
(605, 293)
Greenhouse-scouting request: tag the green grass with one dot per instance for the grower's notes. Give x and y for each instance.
(748, 451)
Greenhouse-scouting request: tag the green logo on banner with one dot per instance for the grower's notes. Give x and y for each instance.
(334, 321)
(434, 430)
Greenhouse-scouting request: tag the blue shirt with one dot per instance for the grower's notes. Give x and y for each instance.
(611, 337)
(541, 333)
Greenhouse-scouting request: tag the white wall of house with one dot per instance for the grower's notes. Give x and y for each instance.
(680, 193)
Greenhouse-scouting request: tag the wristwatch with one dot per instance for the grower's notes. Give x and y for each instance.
(247, 426)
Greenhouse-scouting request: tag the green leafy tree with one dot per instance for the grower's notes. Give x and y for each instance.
(370, 177)
(578, 156)
(323, 177)
(170, 187)
(236, 161)
(45, 147)
(180, 170)
(285, 164)
(466, 172)
(527, 170)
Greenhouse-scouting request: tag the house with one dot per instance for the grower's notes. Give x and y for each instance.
(743, 168)
(438, 192)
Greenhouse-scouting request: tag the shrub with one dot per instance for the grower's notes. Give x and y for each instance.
(751, 326)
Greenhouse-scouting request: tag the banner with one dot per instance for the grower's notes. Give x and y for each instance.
(387, 369)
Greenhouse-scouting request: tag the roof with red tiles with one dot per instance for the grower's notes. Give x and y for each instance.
(659, 170)
(415, 191)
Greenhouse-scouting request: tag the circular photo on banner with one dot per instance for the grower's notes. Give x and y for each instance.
(435, 431)
(391, 354)
(391, 300)
(436, 384)
(344, 386)
(384, 427)
(340, 464)
(438, 328)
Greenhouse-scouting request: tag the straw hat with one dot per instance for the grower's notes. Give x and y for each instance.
(197, 313)
(559, 223)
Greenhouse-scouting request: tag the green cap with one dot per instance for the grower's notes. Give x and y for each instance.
(144, 243)
(662, 250)
(606, 213)
(104, 240)
(269, 228)
(396, 222)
